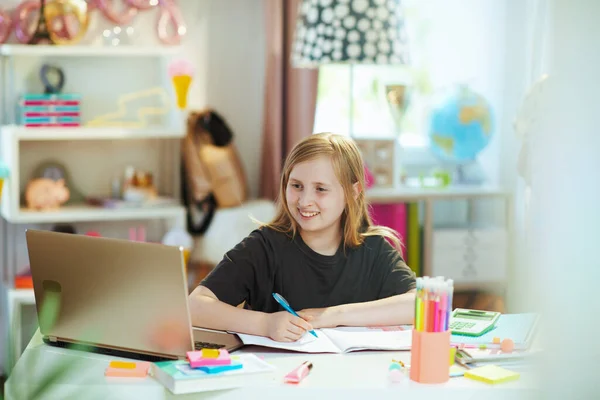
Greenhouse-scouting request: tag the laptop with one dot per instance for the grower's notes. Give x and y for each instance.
(115, 296)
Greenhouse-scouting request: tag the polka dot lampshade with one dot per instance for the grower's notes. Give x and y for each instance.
(349, 31)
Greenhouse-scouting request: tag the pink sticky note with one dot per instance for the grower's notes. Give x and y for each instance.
(140, 370)
(196, 359)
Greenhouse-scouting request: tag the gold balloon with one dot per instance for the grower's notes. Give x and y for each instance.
(66, 11)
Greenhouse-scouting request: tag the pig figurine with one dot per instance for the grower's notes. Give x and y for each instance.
(46, 194)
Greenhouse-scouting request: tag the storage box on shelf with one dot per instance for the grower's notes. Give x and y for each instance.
(12, 140)
(470, 256)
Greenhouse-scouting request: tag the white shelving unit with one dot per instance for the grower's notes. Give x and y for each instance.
(12, 138)
(15, 133)
(86, 51)
(11, 210)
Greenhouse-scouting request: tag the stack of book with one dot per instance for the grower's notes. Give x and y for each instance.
(521, 329)
(50, 110)
(224, 372)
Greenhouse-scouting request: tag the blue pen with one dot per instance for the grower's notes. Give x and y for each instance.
(279, 298)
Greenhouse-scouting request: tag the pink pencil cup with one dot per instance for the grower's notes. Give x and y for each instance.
(429, 357)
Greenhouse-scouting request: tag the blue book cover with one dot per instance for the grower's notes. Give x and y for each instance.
(44, 109)
(518, 327)
(50, 120)
(53, 96)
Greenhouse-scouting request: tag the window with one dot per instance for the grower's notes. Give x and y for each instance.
(352, 100)
(449, 45)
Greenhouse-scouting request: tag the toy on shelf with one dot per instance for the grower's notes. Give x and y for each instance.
(3, 175)
(122, 118)
(138, 186)
(138, 190)
(56, 171)
(52, 108)
(181, 73)
(46, 194)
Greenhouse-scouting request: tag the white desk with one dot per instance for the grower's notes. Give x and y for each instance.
(349, 376)
(17, 298)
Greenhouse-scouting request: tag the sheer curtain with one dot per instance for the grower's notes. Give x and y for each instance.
(527, 126)
(564, 225)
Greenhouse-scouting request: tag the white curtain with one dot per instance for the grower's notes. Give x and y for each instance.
(532, 19)
(564, 211)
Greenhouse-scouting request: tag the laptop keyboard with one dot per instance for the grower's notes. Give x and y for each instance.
(206, 345)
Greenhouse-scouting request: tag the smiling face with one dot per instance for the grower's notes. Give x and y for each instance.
(315, 197)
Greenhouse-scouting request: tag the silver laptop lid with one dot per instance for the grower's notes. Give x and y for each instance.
(111, 293)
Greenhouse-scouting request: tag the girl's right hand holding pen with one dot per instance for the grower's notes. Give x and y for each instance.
(285, 327)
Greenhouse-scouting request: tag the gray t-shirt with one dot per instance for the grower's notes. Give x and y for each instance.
(268, 261)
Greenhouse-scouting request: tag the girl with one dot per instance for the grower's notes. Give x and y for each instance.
(320, 252)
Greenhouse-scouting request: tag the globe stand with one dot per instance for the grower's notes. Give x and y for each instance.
(469, 173)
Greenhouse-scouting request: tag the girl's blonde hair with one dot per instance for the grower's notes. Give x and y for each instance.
(349, 169)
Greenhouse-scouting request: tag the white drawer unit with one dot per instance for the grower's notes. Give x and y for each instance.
(470, 255)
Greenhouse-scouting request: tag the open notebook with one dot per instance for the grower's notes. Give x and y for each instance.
(340, 340)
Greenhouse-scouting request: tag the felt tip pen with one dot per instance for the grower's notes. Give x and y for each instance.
(298, 373)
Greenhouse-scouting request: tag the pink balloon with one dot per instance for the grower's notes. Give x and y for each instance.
(5, 26)
(91, 5)
(142, 4)
(123, 18)
(170, 15)
(26, 18)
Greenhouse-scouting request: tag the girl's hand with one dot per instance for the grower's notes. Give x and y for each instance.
(321, 317)
(285, 327)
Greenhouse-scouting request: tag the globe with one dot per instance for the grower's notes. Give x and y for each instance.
(460, 126)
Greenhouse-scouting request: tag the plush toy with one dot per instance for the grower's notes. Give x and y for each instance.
(46, 194)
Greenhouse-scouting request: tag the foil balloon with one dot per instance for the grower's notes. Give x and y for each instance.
(123, 18)
(170, 15)
(26, 19)
(68, 20)
(142, 4)
(5, 26)
(91, 5)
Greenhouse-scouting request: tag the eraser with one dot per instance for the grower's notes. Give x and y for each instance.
(395, 366)
(127, 369)
(396, 375)
(197, 358)
(507, 346)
